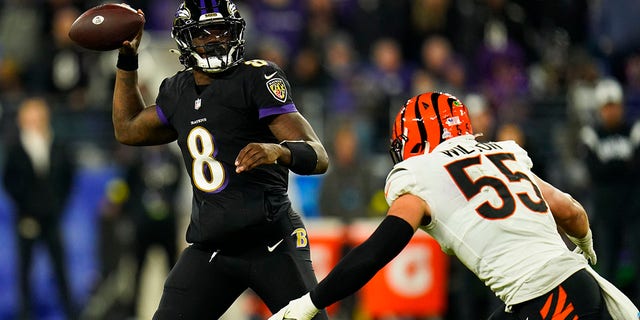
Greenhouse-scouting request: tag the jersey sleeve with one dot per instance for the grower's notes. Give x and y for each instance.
(165, 108)
(271, 90)
(521, 154)
(400, 181)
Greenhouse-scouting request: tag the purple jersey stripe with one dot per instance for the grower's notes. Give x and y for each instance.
(161, 115)
(287, 108)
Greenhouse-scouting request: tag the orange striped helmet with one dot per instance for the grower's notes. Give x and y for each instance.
(425, 121)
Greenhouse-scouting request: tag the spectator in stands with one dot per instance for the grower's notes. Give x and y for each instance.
(66, 69)
(342, 66)
(435, 54)
(347, 188)
(20, 20)
(517, 133)
(321, 22)
(632, 88)
(611, 34)
(611, 155)
(38, 176)
(387, 80)
(283, 20)
(481, 115)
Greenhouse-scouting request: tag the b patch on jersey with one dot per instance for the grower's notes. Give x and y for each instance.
(278, 89)
(301, 237)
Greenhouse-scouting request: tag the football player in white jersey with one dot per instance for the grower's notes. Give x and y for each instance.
(482, 203)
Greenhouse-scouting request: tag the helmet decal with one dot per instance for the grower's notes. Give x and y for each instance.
(425, 121)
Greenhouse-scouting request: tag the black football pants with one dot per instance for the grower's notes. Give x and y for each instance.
(203, 284)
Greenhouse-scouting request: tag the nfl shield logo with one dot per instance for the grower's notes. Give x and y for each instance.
(198, 104)
(453, 121)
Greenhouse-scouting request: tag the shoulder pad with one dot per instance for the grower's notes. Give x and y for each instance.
(399, 181)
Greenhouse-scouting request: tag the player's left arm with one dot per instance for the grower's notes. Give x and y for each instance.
(568, 213)
(570, 216)
(360, 265)
(300, 150)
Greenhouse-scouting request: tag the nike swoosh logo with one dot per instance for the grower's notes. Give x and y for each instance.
(273, 247)
(267, 77)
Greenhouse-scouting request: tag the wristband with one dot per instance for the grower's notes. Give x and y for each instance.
(127, 62)
(303, 157)
(581, 241)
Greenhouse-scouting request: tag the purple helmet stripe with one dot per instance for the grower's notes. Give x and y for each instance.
(214, 6)
(203, 7)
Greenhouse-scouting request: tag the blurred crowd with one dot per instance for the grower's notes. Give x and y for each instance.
(560, 77)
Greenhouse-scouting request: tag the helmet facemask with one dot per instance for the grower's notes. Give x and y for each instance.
(397, 149)
(212, 43)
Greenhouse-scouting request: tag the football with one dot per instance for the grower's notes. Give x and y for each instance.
(106, 26)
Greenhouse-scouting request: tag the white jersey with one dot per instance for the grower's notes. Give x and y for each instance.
(487, 210)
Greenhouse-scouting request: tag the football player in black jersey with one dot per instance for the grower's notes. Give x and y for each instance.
(240, 133)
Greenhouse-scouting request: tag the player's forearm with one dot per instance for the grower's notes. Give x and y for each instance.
(575, 221)
(363, 262)
(567, 212)
(303, 152)
(127, 103)
(322, 163)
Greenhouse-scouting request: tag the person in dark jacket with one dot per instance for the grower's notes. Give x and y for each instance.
(38, 179)
(611, 155)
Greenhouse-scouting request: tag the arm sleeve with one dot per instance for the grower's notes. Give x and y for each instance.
(363, 262)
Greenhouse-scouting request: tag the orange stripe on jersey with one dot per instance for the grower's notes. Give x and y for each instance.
(560, 311)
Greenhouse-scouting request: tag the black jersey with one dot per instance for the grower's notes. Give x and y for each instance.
(213, 125)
